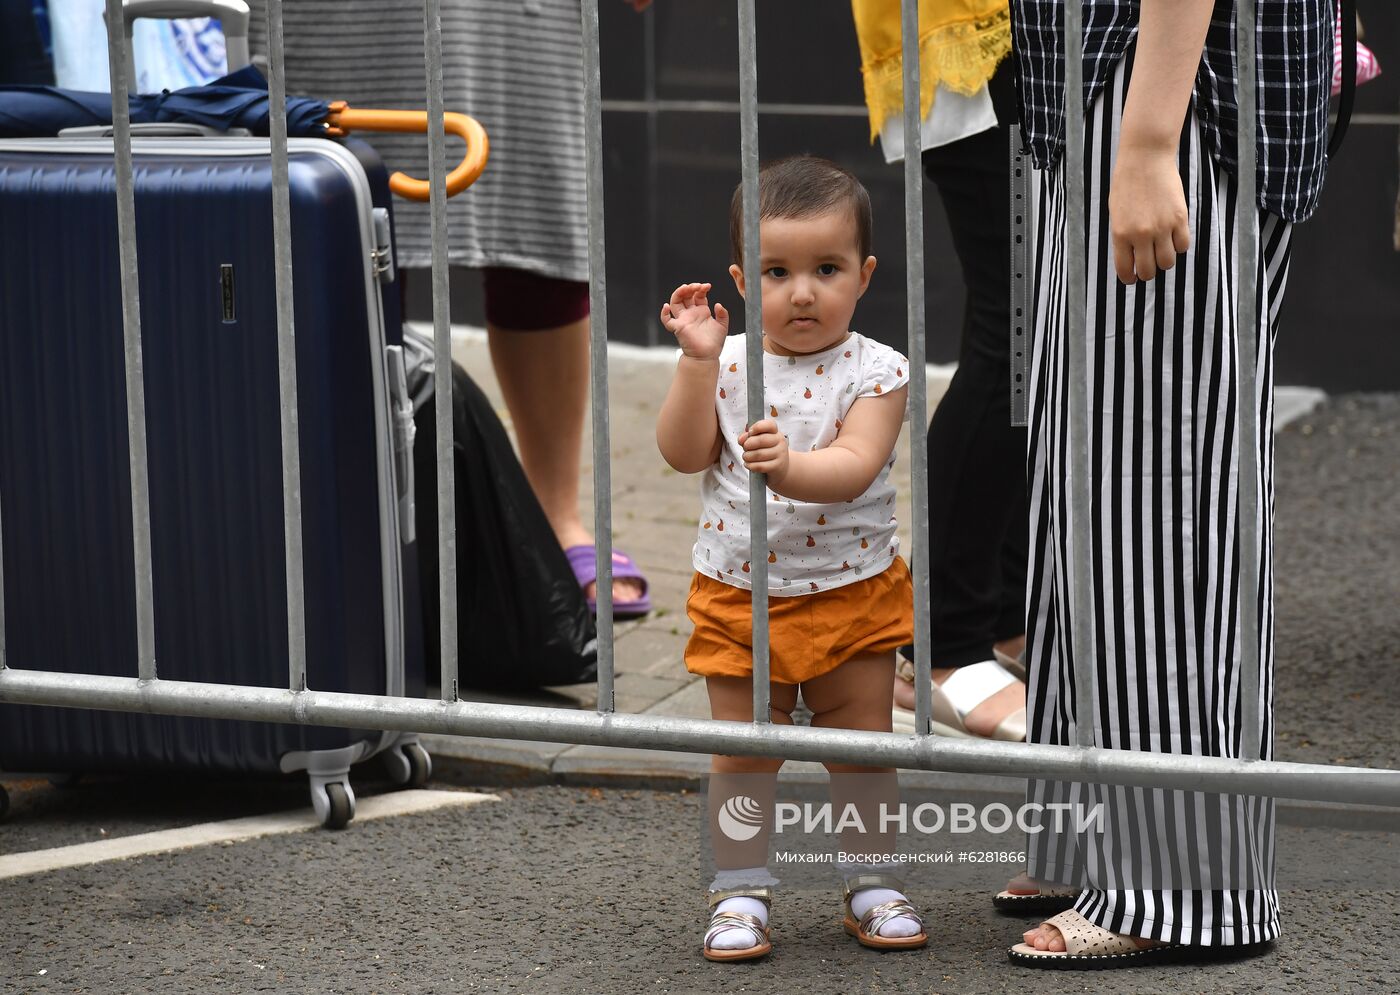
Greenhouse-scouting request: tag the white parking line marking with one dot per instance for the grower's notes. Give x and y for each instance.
(228, 831)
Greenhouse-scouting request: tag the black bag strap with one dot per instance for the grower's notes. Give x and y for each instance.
(1347, 97)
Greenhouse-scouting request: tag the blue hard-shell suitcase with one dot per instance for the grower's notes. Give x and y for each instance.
(209, 347)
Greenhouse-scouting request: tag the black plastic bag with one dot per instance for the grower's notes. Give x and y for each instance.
(522, 620)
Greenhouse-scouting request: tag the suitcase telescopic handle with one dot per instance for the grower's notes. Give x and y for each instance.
(233, 17)
(343, 119)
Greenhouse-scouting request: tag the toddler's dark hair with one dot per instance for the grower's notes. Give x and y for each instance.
(802, 186)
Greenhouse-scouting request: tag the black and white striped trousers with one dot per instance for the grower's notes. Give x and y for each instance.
(1176, 866)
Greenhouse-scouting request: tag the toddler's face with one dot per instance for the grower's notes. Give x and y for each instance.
(812, 277)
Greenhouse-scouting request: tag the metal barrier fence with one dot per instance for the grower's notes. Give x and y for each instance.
(146, 692)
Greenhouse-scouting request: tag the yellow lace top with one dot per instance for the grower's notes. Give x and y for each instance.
(960, 44)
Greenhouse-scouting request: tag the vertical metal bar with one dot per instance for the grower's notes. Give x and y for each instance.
(1077, 342)
(2, 589)
(1247, 336)
(286, 353)
(442, 353)
(1020, 280)
(598, 356)
(653, 131)
(753, 328)
(918, 379)
(131, 337)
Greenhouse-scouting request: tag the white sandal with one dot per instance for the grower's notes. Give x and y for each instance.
(1013, 665)
(965, 689)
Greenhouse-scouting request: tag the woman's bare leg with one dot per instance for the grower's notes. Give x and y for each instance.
(544, 378)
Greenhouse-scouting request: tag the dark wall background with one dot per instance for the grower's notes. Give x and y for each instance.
(1341, 322)
(671, 130)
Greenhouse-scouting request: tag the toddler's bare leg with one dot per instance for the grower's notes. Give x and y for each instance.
(732, 777)
(741, 799)
(856, 695)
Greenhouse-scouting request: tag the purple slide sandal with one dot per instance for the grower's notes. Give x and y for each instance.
(583, 559)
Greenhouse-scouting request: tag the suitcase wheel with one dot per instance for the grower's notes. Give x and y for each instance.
(409, 764)
(420, 762)
(342, 807)
(334, 802)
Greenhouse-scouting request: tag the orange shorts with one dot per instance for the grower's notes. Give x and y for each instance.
(808, 634)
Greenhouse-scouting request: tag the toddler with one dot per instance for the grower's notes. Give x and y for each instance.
(840, 598)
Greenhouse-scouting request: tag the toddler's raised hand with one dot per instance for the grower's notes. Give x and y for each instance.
(687, 316)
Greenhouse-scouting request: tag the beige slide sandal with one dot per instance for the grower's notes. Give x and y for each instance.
(1091, 948)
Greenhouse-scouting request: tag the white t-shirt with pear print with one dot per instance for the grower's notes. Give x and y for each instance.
(811, 547)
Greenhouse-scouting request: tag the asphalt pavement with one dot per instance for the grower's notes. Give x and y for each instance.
(561, 889)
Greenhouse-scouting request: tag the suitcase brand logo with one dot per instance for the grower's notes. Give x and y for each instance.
(226, 289)
(201, 45)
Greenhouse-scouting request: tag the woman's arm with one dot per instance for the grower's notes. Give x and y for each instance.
(844, 470)
(1148, 221)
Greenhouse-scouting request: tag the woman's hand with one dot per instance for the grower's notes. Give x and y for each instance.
(766, 451)
(687, 316)
(1147, 215)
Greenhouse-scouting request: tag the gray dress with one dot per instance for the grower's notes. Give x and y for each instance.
(514, 65)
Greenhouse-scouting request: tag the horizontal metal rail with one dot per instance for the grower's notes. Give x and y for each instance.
(733, 107)
(830, 110)
(1309, 782)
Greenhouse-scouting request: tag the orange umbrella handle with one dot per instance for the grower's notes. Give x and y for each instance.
(343, 119)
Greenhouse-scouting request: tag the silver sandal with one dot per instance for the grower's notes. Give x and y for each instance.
(722, 921)
(867, 929)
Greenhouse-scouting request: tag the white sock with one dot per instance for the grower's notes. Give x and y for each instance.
(738, 938)
(867, 898)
